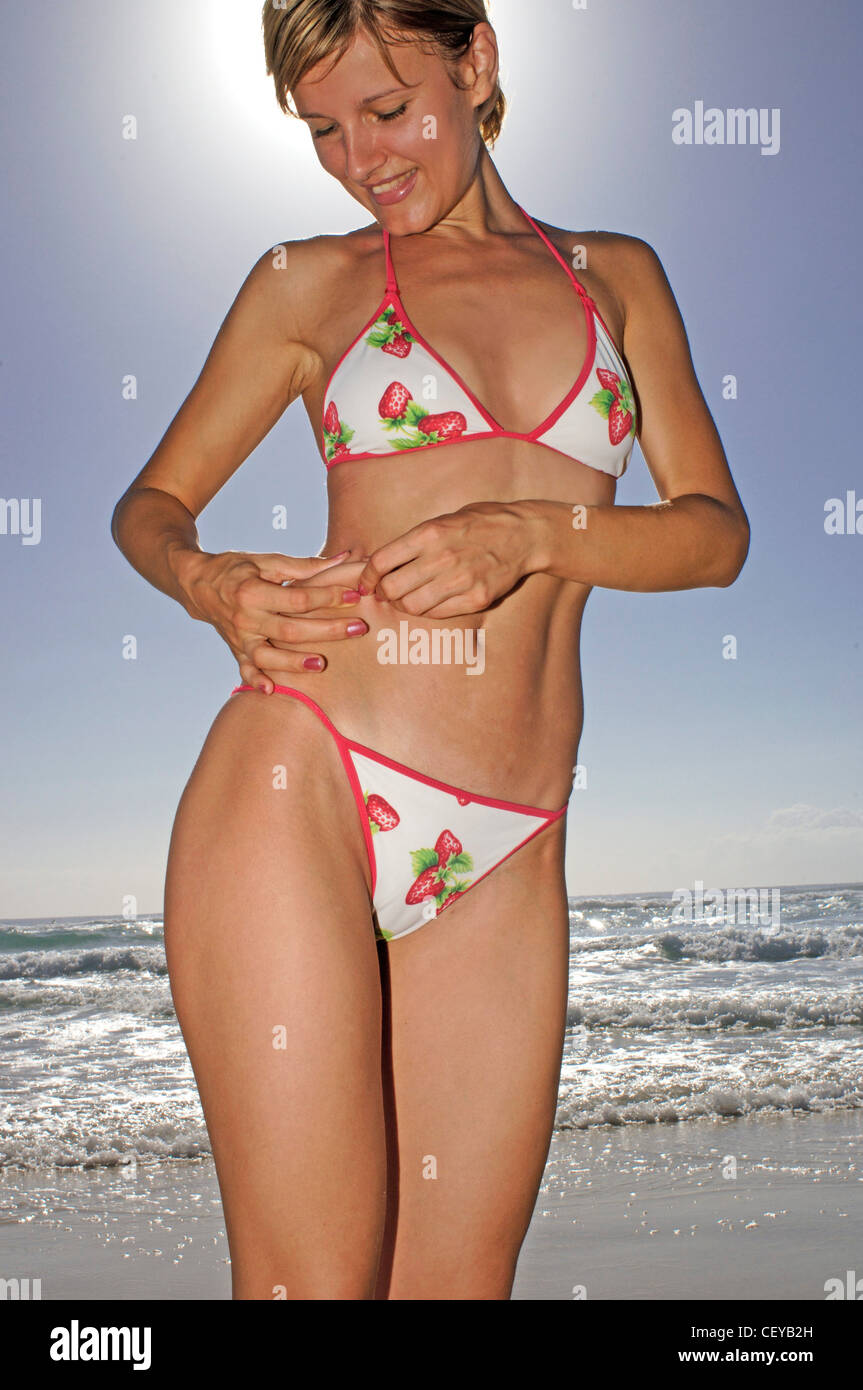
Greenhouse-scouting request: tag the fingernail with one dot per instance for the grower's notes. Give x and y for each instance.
(314, 663)
(264, 689)
(356, 629)
(362, 590)
(351, 596)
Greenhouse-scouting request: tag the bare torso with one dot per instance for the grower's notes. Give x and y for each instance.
(320, 1051)
(509, 321)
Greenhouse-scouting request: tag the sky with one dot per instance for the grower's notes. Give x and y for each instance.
(122, 257)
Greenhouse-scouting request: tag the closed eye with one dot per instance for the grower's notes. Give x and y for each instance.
(381, 115)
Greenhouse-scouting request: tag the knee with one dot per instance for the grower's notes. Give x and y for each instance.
(288, 1260)
(483, 1274)
(311, 1283)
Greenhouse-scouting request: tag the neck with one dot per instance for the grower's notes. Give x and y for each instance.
(484, 208)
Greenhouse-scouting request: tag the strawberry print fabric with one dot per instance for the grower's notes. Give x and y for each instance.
(392, 393)
(431, 846)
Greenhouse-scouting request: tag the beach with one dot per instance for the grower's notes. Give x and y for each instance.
(644, 1211)
(706, 1144)
(633, 1212)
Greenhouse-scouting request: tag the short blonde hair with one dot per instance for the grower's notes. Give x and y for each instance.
(301, 33)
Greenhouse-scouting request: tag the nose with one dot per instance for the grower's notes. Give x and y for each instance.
(363, 154)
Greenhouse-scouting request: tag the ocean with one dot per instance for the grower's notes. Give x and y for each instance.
(669, 1021)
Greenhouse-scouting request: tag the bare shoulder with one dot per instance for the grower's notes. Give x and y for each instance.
(633, 271)
(299, 282)
(616, 269)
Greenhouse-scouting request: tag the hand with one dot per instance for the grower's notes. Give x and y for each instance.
(246, 599)
(454, 564)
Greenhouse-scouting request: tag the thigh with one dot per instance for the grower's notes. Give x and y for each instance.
(275, 979)
(477, 1000)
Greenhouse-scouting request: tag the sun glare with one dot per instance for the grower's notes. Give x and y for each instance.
(237, 60)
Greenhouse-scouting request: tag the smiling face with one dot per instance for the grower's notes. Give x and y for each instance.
(407, 151)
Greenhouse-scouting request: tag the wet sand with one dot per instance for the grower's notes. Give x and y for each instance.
(767, 1207)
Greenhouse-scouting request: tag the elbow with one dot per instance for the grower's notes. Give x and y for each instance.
(115, 521)
(732, 554)
(118, 517)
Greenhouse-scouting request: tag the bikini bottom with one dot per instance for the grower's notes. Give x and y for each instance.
(428, 842)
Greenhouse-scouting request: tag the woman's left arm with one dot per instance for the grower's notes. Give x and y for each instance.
(696, 536)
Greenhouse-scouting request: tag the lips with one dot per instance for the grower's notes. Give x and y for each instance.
(387, 191)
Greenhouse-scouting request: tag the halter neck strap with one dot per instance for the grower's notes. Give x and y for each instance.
(554, 251)
(392, 283)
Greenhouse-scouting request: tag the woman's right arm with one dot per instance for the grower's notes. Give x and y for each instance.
(256, 367)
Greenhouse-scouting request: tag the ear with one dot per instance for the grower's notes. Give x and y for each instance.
(481, 64)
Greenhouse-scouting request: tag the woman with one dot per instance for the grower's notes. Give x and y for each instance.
(380, 1108)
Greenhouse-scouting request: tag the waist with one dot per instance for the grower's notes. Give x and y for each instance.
(496, 693)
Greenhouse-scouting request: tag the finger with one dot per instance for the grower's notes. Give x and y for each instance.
(310, 598)
(258, 598)
(278, 568)
(389, 557)
(275, 659)
(254, 599)
(250, 675)
(421, 601)
(421, 577)
(368, 579)
(295, 631)
(305, 607)
(400, 583)
(347, 573)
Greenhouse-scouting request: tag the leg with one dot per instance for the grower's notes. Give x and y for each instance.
(275, 979)
(478, 1009)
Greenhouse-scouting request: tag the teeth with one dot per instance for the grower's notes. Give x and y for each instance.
(393, 183)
